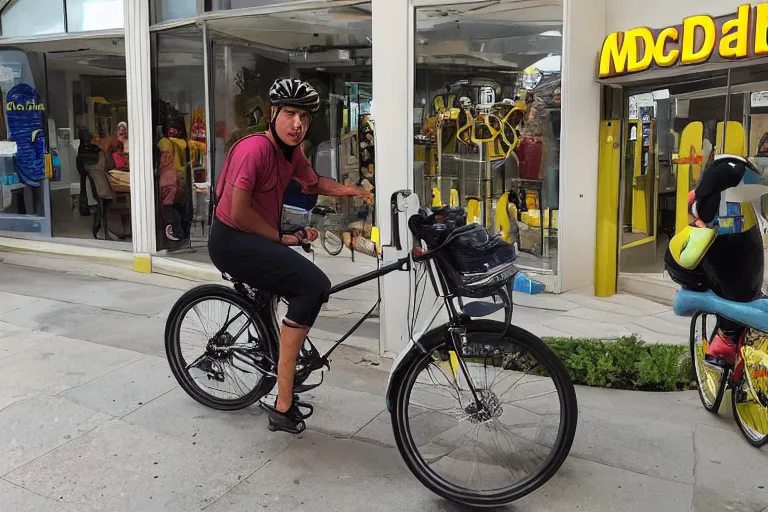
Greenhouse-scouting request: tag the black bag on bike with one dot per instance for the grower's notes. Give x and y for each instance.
(475, 263)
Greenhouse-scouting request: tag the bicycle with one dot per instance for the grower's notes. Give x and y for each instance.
(747, 376)
(332, 227)
(439, 393)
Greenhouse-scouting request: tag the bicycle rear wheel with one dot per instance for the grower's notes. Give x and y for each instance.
(506, 449)
(219, 349)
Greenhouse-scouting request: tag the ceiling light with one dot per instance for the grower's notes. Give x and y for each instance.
(552, 33)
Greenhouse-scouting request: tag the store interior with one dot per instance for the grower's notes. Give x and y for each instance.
(671, 132)
(329, 48)
(487, 120)
(82, 88)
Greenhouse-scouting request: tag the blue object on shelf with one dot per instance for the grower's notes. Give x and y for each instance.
(525, 284)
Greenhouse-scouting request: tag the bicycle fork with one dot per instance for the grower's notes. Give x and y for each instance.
(459, 339)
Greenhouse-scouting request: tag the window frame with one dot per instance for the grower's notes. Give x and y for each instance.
(5, 4)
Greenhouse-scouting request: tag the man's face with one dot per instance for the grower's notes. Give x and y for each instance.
(174, 132)
(292, 124)
(122, 131)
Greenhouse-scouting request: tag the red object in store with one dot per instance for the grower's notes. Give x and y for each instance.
(530, 153)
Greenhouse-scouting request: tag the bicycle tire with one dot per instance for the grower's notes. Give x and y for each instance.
(175, 359)
(753, 437)
(710, 404)
(568, 419)
(325, 244)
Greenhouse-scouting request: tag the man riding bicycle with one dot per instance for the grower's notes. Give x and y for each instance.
(246, 238)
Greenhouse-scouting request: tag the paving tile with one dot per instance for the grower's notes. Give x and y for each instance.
(240, 433)
(133, 469)
(730, 474)
(651, 447)
(12, 302)
(583, 485)
(378, 431)
(322, 473)
(18, 499)
(683, 408)
(123, 391)
(33, 428)
(54, 364)
(584, 328)
(341, 412)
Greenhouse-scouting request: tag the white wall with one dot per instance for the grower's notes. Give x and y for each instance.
(582, 39)
(622, 15)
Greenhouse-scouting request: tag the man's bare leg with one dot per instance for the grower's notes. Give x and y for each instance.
(291, 341)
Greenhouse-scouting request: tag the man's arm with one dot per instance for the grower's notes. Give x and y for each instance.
(246, 217)
(329, 187)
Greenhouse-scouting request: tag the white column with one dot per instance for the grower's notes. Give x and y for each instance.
(583, 34)
(392, 101)
(138, 73)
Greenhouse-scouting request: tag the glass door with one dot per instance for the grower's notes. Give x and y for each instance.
(670, 134)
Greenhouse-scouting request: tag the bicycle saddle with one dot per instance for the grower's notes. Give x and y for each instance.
(751, 314)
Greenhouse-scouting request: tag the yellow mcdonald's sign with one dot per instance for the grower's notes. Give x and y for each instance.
(698, 39)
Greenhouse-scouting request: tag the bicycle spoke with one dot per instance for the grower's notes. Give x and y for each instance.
(485, 446)
(233, 372)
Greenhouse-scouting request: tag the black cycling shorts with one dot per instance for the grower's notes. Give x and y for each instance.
(272, 267)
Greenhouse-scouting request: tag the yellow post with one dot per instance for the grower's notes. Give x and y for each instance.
(607, 240)
(689, 163)
(735, 139)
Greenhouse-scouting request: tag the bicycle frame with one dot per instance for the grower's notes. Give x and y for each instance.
(404, 263)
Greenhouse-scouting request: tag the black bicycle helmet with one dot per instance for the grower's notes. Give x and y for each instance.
(286, 92)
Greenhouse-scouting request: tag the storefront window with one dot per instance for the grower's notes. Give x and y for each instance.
(89, 142)
(84, 15)
(65, 162)
(250, 53)
(183, 180)
(23, 190)
(32, 18)
(165, 10)
(487, 120)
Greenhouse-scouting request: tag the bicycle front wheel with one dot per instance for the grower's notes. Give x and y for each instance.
(332, 242)
(494, 453)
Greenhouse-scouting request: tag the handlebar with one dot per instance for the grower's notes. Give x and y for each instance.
(396, 242)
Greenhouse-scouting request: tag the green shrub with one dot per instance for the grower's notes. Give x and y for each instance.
(627, 363)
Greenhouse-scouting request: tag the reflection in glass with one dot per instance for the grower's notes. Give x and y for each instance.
(225, 5)
(183, 179)
(165, 10)
(33, 18)
(487, 116)
(83, 15)
(331, 49)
